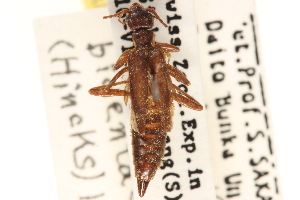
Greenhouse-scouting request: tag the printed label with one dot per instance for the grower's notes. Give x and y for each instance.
(244, 161)
(186, 172)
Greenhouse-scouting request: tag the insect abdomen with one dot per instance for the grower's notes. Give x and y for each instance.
(148, 149)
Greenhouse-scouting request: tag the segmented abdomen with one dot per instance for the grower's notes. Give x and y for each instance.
(148, 149)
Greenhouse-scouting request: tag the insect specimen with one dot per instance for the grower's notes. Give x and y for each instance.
(150, 88)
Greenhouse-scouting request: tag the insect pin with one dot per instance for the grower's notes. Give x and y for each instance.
(150, 88)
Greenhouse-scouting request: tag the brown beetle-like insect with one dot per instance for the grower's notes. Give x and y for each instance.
(150, 89)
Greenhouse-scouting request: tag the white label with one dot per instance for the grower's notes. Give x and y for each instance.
(87, 132)
(186, 172)
(244, 161)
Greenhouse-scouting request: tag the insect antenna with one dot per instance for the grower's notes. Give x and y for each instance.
(119, 15)
(152, 11)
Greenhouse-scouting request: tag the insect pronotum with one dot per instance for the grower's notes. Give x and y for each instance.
(150, 88)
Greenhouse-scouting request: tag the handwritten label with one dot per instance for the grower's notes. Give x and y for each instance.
(87, 133)
(186, 172)
(244, 160)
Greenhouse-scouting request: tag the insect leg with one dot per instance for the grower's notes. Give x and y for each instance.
(185, 94)
(185, 99)
(167, 47)
(100, 90)
(115, 78)
(178, 75)
(186, 102)
(128, 91)
(122, 59)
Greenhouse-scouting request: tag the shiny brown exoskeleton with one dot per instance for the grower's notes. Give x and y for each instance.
(150, 89)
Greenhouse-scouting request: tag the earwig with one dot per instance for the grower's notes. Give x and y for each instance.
(150, 89)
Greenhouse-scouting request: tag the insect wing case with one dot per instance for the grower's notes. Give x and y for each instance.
(186, 170)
